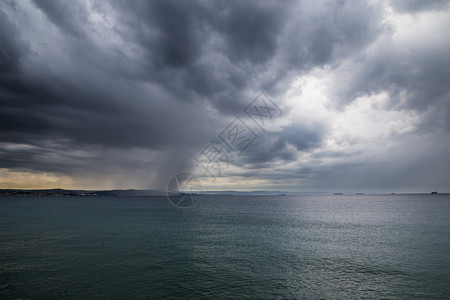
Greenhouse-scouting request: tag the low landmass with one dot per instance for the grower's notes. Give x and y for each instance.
(150, 193)
(62, 192)
(139, 193)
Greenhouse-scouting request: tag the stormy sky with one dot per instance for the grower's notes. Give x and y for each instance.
(125, 94)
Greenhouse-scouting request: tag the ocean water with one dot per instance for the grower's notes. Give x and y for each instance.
(302, 247)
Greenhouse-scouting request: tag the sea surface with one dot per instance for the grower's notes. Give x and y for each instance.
(258, 247)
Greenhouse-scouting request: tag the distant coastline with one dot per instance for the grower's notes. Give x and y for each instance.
(81, 193)
(158, 193)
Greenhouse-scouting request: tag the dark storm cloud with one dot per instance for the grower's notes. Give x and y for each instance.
(283, 145)
(251, 31)
(66, 16)
(85, 104)
(11, 48)
(139, 84)
(328, 33)
(207, 50)
(218, 50)
(191, 52)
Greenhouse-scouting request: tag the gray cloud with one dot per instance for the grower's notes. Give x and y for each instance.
(119, 87)
(415, 6)
(283, 145)
(415, 78)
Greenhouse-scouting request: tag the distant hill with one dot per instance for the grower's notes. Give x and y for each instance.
(135, 193)
(62, 192)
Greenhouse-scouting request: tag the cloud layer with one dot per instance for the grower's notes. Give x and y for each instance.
(123, 94)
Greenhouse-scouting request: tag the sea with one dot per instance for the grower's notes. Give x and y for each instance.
(225, 247)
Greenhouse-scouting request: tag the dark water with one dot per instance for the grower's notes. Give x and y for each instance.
(330, 247)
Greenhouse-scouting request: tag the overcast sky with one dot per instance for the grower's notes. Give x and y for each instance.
(125, 94)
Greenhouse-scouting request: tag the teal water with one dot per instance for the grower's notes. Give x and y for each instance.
(313, 247)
